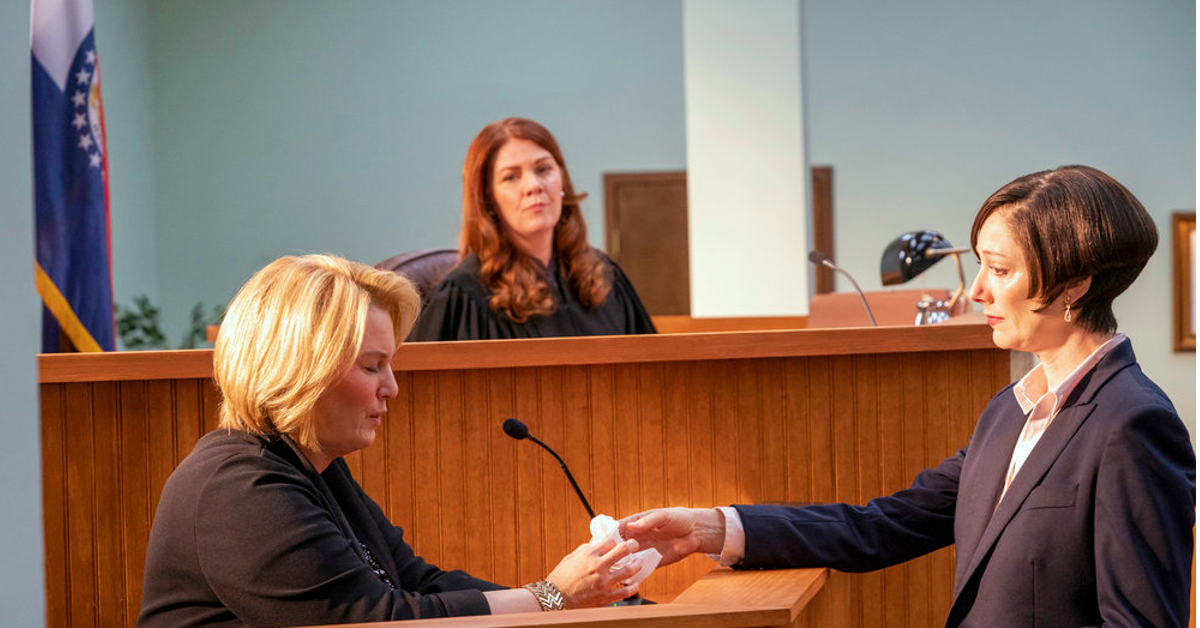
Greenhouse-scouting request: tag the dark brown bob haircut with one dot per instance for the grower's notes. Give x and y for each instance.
(1073, 223)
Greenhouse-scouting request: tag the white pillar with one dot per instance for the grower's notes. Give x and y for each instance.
(747, 171)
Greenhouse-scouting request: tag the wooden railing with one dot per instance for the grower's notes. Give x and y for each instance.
(674, 419)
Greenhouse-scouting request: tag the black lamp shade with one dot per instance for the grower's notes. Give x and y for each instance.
(905, 258)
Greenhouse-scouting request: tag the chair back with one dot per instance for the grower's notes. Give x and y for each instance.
(424, 267)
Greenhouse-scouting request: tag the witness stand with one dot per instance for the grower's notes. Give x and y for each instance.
(685, 419)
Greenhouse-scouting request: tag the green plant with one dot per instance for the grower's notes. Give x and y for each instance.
(139, 327)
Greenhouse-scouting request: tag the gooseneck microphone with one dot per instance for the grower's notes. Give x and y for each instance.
(822, 259)
(520, 431)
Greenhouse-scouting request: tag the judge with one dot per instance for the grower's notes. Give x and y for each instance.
(527, 270)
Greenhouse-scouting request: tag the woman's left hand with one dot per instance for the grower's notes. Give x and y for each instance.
(587, 578)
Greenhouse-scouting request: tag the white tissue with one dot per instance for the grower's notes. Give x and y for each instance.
(605, 527)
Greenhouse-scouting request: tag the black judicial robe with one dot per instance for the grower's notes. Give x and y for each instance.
(458, 310)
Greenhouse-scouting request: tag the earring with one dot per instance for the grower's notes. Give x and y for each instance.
(1067, 313)
(562, 193)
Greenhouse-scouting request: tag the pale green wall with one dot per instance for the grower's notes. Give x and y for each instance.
(122, 43)
(269, 127)
(22, 588)
(926, 108)
(281, 127)
(341, 126)
(312, 126)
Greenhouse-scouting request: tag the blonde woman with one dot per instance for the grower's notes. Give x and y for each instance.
(263, 525)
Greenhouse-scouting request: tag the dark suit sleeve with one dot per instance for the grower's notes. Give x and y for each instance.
(274, 555)
(1145, 510)
(887, 531)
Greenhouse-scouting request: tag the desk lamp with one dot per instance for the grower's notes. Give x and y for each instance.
(915, 252)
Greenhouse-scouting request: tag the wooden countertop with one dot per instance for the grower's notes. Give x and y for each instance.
(149, 365)
(721, 599)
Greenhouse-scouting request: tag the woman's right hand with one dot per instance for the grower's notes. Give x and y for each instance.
(586, 577)
(677, 532)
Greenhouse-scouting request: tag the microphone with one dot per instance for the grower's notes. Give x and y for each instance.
(520, 431)
(821, 259)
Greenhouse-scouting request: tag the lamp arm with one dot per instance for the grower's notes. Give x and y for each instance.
(962, 281)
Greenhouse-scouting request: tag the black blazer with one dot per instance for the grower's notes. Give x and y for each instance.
(248, 534)
(1096, 528)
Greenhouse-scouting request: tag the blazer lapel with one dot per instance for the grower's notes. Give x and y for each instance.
(1062, 429)
(357, 516)
(988, 457)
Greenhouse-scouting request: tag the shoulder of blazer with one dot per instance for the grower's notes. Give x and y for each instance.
(1117, 377)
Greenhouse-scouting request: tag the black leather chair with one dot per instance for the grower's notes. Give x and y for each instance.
(424, 267)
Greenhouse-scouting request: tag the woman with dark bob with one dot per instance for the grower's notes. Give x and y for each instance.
(263, 525)
(1073, 502)
(527, 269)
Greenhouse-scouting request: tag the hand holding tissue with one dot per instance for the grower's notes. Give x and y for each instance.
(605, 527)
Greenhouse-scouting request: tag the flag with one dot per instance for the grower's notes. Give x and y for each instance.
(70, 162)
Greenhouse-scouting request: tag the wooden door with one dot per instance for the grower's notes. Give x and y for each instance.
(646, 233)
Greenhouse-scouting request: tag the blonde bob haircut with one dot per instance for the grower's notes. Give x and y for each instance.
(292, 332)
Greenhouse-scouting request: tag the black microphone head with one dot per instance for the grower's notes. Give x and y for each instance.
(817, 257)
(515, 429)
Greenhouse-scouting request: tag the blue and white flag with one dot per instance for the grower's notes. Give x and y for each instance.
(70, 163)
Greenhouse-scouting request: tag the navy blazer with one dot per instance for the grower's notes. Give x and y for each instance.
(1095, 529)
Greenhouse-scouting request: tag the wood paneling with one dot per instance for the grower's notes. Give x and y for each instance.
(698, 431)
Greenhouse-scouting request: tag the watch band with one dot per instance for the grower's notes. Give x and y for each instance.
(548, 595)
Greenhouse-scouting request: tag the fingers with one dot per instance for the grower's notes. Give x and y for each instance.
(644, 521)
(624, 573)
(617, 552)
(597, 549)
(624, 592)
(624, 525)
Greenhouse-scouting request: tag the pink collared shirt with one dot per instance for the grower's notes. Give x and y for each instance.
(1041, 405)
(1041, 410)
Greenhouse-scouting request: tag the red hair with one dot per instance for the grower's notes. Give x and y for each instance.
(515, 278)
